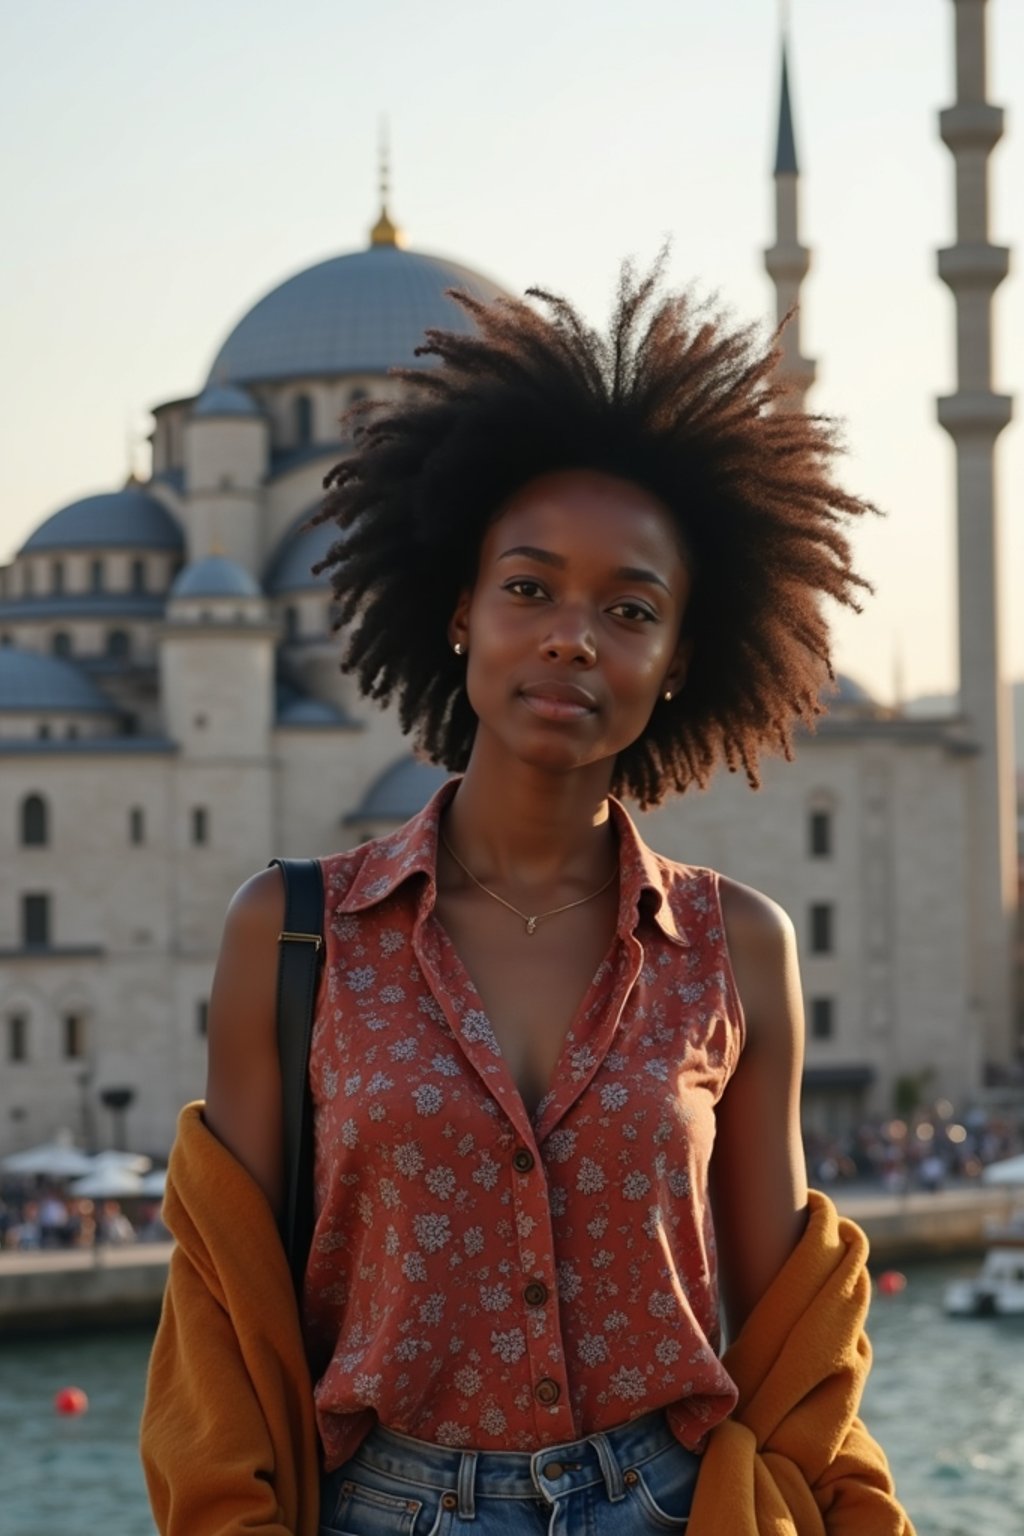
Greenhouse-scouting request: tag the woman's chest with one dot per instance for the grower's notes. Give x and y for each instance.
(534, 988)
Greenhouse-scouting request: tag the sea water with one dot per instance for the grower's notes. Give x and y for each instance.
(945, 1398)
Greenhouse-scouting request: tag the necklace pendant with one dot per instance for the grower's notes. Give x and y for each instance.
(531, 924)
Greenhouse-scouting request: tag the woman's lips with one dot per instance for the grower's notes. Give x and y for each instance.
(558, 701)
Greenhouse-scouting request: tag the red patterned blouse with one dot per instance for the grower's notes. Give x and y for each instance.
(485, 1279)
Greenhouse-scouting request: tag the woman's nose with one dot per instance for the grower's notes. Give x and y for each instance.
(571, 639)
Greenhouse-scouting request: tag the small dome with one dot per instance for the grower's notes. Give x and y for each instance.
(124, 519)
(364, 312)
(33, 682)
(845, 696)
(849, 691)
(215, 576)
(400, 791)
(225, 400)
(295, 708)
(290, 568)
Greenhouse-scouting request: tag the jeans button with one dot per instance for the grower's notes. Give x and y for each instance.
(553, 1470)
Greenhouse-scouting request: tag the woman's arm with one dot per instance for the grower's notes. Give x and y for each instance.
(758, 1175)
(243, 1083)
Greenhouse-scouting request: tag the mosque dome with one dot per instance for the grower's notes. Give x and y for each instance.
(295, 708)
(214, 576)
(364, 312)
(225, 400)
(34, 682)
(400, 791)
(130, 518)
(845, 696)
(291, 566)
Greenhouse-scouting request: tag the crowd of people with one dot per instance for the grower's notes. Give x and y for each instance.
(47, 1218)
(929, 1150)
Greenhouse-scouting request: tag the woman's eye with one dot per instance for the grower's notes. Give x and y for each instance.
(633, 611)
(523, 587)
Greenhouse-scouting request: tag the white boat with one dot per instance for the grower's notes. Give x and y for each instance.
(998, 1288)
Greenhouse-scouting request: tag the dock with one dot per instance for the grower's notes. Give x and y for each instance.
(112, 1286)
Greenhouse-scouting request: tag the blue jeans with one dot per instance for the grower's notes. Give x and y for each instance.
(629, 1481)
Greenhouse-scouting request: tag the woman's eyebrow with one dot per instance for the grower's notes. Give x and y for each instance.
(548, 557)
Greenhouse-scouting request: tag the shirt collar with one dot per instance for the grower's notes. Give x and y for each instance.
(391, 860)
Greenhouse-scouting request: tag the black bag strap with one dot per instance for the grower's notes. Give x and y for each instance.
(300, 955)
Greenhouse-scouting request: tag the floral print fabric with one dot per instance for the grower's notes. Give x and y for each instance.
(479, 1277)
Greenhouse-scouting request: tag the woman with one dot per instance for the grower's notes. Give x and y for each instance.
(583, 567)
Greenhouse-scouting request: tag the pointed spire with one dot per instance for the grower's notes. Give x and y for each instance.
(384, 232)
(785, 149)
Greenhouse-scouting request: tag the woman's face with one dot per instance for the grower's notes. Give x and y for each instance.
(572, 627)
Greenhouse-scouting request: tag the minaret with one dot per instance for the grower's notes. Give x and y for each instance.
(788, 261)
(974, 417)
(384, 232)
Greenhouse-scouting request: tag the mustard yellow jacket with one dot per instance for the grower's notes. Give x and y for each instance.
(229, 1443)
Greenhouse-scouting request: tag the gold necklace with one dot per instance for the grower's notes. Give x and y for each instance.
(538, 917)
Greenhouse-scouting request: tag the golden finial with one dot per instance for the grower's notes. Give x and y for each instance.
(384, 232)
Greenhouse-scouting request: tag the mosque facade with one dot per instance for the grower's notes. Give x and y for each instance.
(172, 716)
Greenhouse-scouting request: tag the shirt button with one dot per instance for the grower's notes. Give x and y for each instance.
(547, 1391)
(535, 1294)
(522, 1160)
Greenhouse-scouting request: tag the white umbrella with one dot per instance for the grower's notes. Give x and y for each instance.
(154, 1183)
(107, 1184)
(1009, 1171)
(134, 1162)
(53, 1160)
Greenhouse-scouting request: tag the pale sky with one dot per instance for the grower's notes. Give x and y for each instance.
(163, 166)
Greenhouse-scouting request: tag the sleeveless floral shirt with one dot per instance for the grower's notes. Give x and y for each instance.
(479, 1277)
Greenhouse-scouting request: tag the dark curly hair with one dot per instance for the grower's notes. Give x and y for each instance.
(673, 399)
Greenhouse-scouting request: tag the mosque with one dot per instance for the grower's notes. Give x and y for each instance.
(172, 715)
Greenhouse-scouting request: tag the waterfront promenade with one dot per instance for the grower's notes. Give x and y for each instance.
(108, 1286)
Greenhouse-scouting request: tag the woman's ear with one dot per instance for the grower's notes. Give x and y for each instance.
(458, 624)
(675, 677)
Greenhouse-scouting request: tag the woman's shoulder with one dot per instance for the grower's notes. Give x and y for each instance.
(259, 900)
(749, 917)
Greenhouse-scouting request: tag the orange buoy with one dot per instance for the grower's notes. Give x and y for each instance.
(70, 1401)
(891, 1282)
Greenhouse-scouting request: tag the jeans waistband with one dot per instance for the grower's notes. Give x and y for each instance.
(606, 1456)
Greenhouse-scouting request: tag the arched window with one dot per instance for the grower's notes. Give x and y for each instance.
(119, 644)
(137, 825)
(820, 824)
(200, 825)
(96, 575)
(35, 822)
(43, 731)
(61, 643)
(291, 622)
(303, 420)
(57, 576)
(138, 575)
(28, 581)
(17, 1037)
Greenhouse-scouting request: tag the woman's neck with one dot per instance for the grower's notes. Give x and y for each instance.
(517, 824)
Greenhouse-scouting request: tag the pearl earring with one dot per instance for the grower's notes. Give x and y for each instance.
(458, 648)
(667, 694)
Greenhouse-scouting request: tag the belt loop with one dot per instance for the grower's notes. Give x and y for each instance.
(614, 1486)
(467, 1480)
